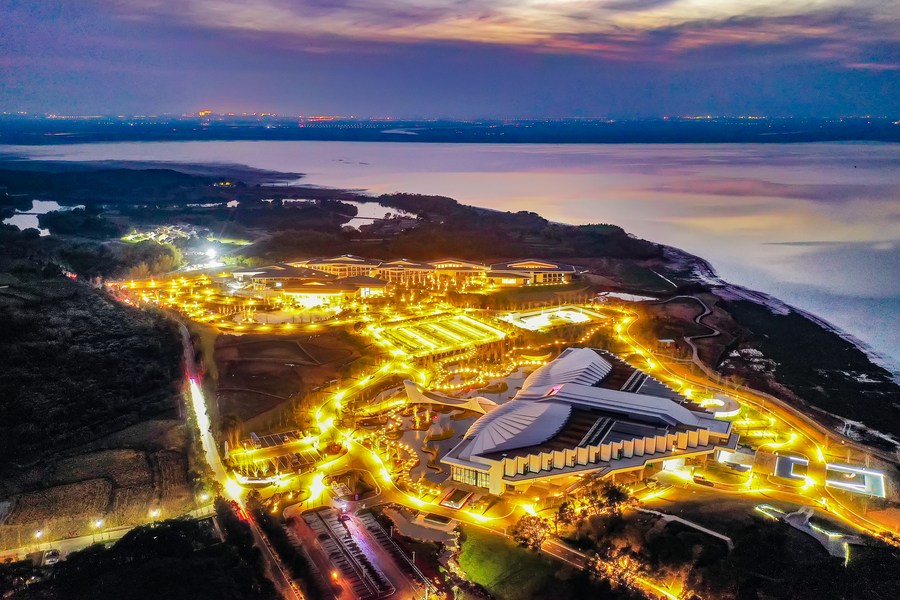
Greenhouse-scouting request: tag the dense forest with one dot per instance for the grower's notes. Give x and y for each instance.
(77, 363)
(447, 228)
(769, 560)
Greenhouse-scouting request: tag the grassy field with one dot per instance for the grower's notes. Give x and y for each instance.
(510, 572)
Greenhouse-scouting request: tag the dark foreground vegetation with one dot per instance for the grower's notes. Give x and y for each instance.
(175, 560)
(90, 424)
(77, 364)
(290, 553)
(769, 560)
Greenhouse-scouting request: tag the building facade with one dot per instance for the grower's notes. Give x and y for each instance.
(346, 265)
(533, 272)
(584, 413)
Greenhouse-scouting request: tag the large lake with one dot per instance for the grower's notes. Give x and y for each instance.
(817, 225)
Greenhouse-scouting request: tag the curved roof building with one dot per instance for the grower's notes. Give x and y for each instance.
(585, 412)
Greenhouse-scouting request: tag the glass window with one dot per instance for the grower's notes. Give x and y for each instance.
(470, 477)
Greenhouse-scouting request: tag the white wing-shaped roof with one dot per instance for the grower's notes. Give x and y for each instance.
(575, 365)
(516, 424)
(632, 406)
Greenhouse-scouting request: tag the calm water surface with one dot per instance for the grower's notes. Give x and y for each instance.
(817, 225)
(28, 219)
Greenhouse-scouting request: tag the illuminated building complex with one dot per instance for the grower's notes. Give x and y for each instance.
(346, 265)
(587, 412)
(260, 278)
(531, 272)
(317, 293)
(305, 286)
(404, 271)
(332, 281)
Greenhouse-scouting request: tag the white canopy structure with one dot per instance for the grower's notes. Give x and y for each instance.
(415, 395)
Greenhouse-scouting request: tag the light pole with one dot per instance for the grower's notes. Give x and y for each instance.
(98, 525)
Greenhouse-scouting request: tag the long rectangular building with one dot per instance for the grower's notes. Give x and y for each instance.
(409, 272)
(587, 412)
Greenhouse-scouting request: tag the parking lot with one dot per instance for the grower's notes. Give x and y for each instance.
(356, 554)
(350, 567)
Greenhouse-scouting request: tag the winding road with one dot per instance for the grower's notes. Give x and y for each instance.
(813, 436)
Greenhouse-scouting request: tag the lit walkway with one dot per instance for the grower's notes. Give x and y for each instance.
(690, 524)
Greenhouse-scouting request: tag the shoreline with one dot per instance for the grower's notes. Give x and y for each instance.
(732, 291)
(704, 271)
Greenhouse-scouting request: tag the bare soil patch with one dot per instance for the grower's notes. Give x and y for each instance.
(124, 467)
(260, 373)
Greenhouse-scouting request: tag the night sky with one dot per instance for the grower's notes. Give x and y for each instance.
(452, 58)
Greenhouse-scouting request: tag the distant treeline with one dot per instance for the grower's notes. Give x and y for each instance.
(39, 131)
(447, 228)
(147, 197)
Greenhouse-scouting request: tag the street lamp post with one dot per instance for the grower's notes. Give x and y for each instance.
(97, 525)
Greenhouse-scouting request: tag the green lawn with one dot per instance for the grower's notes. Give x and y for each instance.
(510, 572)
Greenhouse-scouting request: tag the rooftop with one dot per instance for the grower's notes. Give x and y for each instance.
(344, 259)
(283, 271)
(363, 281)
(533, 264)
(584, 397)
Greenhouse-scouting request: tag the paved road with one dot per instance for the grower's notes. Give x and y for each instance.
(69, 545)
(276, 570)
(812, 435)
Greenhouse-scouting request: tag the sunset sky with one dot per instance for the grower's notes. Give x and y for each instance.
(454, 58)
